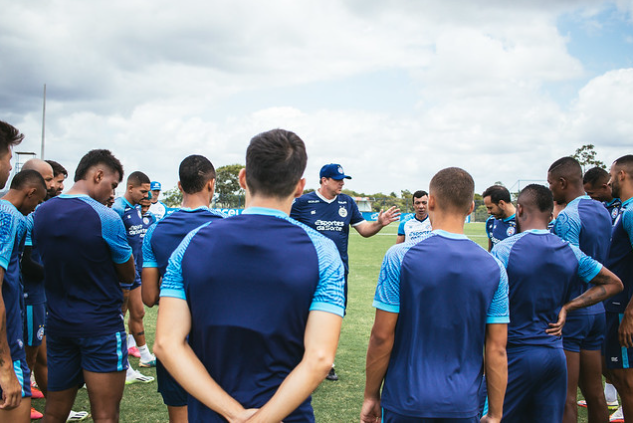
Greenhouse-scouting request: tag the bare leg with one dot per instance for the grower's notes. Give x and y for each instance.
(126, 297)
(20, 414)
(622, 379)
(573, 368)
(41, 368)
(58, 405)
(105, 391)
(137, 312)
(177, 414)
(590, 380)
(31, 356)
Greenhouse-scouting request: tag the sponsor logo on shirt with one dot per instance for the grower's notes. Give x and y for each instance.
(313, 201)
(135, 230)
(329, 225)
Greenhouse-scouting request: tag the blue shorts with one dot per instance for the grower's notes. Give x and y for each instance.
(615, 355)
(68, 357)
(537, 384)
(173, 394)
(584, 332)
(391, 417)
(34, 324)
(23, 374)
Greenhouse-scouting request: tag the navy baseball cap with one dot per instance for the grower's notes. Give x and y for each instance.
(155, 186)
(334, 171)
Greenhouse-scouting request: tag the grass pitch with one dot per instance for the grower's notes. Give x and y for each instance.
(332, 401)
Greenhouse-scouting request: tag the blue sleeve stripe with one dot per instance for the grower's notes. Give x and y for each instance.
(497, 319)
(117, 258)
(327, 307)
(589, 277)
(149, 263)
(173, 293)
(386, 307)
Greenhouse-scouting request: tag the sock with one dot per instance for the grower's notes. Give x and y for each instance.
(130, 371)
(130, 341)
(610, 393)
(145, 354)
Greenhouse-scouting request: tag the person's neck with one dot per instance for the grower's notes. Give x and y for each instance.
(13, 197)
(421, 218)
(529, 224)
(626, 193)
(195, 201)
(283, 205)
(574, 193)
(129, 199)
(325, 194)
(448, 222)
(509, 211)
(79, 188)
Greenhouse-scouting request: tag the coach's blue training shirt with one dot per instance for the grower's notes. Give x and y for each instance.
(436, 364)
(12, 234)
(330, 217)
(541, 267)
(613, 207)
(620, 259)
(162, 239)
(134, 227)
(500, 229)
(79, 240)
(414, 229)
(250, 282)
(34, 292)
(586, 224)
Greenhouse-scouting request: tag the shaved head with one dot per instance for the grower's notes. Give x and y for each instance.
(44, 169)
(568, 168)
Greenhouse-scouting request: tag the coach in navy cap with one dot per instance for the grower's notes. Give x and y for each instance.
(334, 171)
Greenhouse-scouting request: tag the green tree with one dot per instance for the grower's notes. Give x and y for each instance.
(586, 156)
(172, 197)
(227, 180)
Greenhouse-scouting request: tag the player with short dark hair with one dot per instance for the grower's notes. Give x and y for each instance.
(586, 224)
(268, 338)
(59, 174)
(9, 138)
(435, 371)
(501, 224)
(541, 269)
(197, 183)
(419, 223)
(618, 345)
(127, 206)
(84, 259)
(596, 184)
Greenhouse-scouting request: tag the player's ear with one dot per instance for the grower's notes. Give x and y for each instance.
(31, 192)
(180, 187)
(98, 175)
(211, 185)
(300, 186)
(472, 207)
(242, 178)
(431, 204)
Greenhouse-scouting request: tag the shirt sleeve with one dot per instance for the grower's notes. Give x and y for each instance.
(490, 224)
(8, 232)
(627, 223)
(330, 292)
(28, 241)
(173, 285)
(114, 235)
(149, 260)
(401, 228)
(357, 217)
(567, 228)
(387, 296)
(295, 212)
(499, 310)
(588, 268)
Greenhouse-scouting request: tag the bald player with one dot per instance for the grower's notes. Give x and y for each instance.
(586, 224)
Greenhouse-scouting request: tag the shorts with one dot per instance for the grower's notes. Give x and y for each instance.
(537, 384)
(68, 357)
(173, 394)
(584, 332)
(23, 374)
(391, 417)
(34, 324)
(615, 355)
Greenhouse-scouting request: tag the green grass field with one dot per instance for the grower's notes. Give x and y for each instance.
(333, 401)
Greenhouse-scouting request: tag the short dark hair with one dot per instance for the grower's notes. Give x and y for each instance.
(418, 194)
(9, 137)
(58, 169)
(96, 157)
(567, 167)
(275, 162)
(138, 178)
(497, 193)
(27, 179)
(195, 172)
(625, 162)
(537, 196)
(453, 188)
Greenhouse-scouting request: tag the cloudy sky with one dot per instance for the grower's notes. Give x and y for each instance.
(392, 90)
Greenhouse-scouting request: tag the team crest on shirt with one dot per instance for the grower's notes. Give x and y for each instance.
(342, 212)
(20, 343)
(40, 334)
(511, 231)
(614, 213)
(146, 220)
